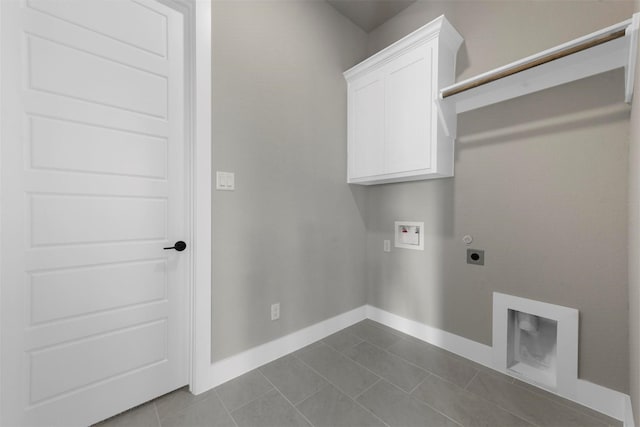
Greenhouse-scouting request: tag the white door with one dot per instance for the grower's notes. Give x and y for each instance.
(93, 310)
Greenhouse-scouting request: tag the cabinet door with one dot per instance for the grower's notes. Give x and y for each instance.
(366, 126)
(409, 99)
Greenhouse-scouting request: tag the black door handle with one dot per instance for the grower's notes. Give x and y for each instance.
(178, 246)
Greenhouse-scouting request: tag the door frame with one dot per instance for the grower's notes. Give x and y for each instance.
(198, 119)
(199, 57)
(197, 20)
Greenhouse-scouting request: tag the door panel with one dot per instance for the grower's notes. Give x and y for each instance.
(366, 117)
(128, 22)
(72, 292)
(96, 149)
(62, 70)
(409, 97)
(93, 310)
(79, 219)
(75, 365)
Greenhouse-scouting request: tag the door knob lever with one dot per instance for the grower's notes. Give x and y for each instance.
(178, 246)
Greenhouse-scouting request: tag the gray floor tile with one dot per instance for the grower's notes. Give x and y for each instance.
(527, 405)
(172, 402)
(342, 372)
(243, 389)
(388, 366)
(487, 370)
(372, 334)
(206, 412)
(342, 340)
(307, 348)
(565, 402)
(464, 407)
(270, 410)
(141, 416)
(388, 329)
(332, 408)
(397, 408)
(456, 370)
(295, 380)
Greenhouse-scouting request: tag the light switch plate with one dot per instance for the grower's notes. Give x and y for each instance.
(225, 181)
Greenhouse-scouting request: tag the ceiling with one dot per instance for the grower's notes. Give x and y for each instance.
(369, 14)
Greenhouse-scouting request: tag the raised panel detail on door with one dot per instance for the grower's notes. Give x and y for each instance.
(63, 220)
(63, 70)
(96, 149)
(68, 293)
(409, 101)
(68, 366)
(367, 127)
(128, 22)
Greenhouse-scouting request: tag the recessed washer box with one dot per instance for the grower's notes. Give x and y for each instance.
(409, 235)
(536, 342)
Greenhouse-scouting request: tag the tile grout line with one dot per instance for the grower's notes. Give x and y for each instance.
(368, 410)
(155, 409)
(425, 403)
(470, 381)
(250, 401)
(233, 420)
(400, 338)
(420, 383)
(522, 417)
(314, 393)
(343, 392)
(576, 410)
(481, 397)
(366, 389)
(351, 346)
(428, 372)
(349, 359)
(285, 398)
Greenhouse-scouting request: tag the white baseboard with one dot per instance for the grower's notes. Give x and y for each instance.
(629, 421)
(241, 363)
(601, 399)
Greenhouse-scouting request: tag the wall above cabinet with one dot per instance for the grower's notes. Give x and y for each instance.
(394, 133)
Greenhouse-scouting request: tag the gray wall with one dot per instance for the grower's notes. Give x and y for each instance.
(634, 249)
(540, 183)
(292, 231)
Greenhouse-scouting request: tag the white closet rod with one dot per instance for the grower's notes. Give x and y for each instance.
(578, 45)
(533, 63)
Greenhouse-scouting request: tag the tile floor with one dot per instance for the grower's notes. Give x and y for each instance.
(365, 375)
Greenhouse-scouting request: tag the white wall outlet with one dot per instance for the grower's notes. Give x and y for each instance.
(275, 311)
(225, 181)
(387, 245)
(409, 235)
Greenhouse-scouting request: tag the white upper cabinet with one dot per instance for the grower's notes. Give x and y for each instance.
(394, 130)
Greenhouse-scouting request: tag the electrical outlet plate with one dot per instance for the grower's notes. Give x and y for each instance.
(409, 235)
(275, 311)
(475, 256)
